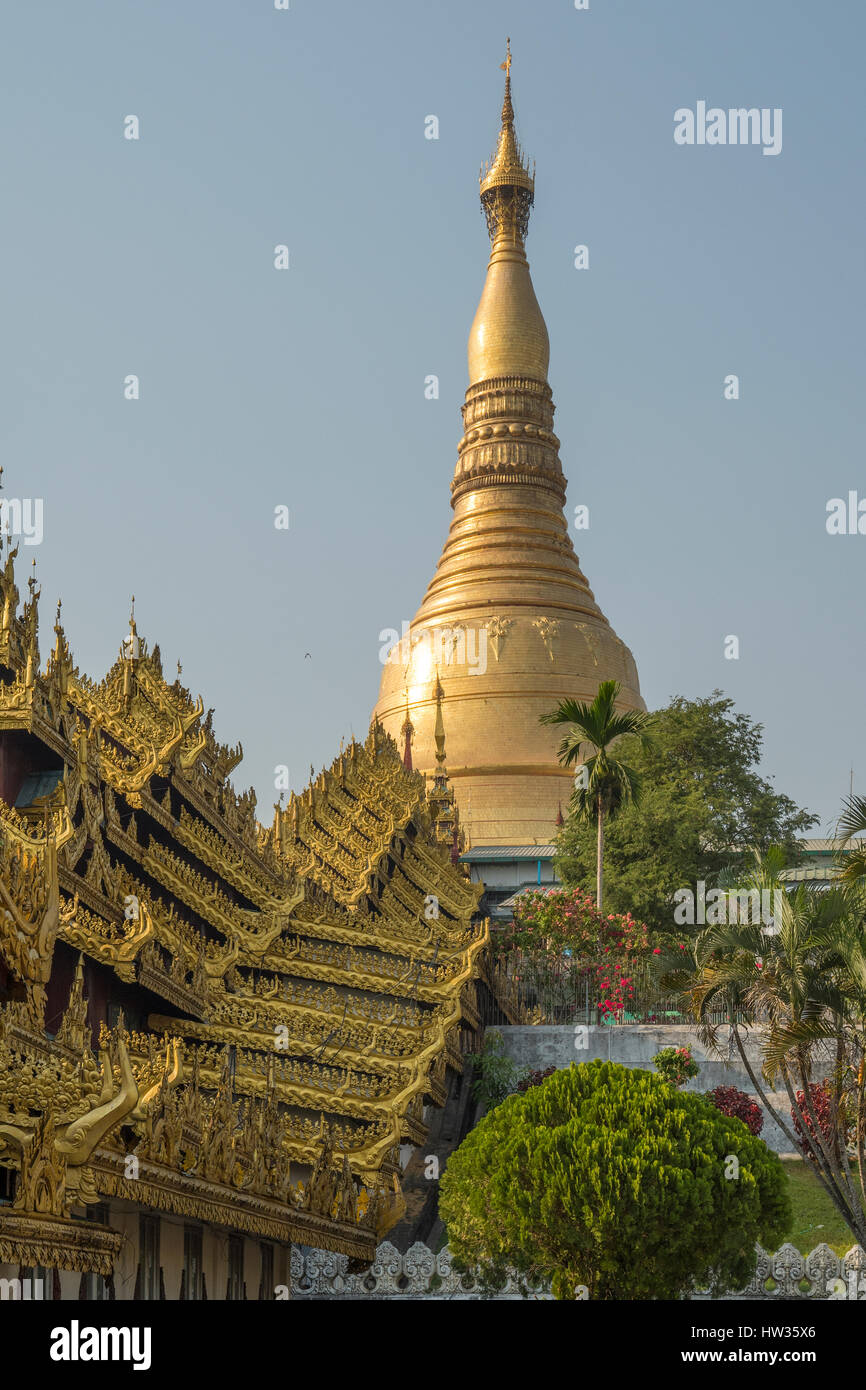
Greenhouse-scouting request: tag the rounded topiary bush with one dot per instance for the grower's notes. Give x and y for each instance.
(607, 1178)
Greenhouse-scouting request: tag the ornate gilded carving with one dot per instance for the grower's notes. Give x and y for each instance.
(497, 631)
(548, 631)
(29, 899)
(313, 997)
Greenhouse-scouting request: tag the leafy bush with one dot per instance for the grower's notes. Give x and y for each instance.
(739, 1106)
(608, 1179)
(676, 1065)
(495, 1076)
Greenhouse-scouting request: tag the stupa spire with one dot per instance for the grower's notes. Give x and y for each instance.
(509, 335)
(506, 184)
(508, 607)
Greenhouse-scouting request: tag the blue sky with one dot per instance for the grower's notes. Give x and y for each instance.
(306, 387)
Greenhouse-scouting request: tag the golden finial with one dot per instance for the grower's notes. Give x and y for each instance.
(59, 644)
(507, 171)
(507, 108)
(130, 648)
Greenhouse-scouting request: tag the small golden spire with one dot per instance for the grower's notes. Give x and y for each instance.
(439, 730)
(407, 731)
(61, 663)
(508, 336)
(130, 648)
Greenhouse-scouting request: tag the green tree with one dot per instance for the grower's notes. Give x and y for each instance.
(608, 783)
(799, 984)
(609, 1179)
(703, 805)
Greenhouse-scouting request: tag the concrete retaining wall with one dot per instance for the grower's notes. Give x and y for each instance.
(634, 1045)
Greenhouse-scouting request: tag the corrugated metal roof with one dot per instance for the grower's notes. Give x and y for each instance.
(818, 846)
(504, 854)
(530, 888)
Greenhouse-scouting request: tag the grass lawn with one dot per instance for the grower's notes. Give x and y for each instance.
(815, 1218)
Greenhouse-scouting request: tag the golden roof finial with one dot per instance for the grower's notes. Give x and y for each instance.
(130, 647)
(508, 169)
(60, 643)
(507, 108)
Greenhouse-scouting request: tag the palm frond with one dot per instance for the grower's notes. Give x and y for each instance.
(852, 821)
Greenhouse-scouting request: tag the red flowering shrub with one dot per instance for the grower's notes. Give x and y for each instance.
(739, 1106)
(676, 1065)
(562, 938)
(535, 1078)
(835, 1136)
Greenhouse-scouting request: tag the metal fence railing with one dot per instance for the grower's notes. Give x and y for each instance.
(529, 989)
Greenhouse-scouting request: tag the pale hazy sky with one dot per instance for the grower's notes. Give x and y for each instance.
(306, 387)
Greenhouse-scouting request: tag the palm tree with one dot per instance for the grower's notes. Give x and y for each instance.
(801, 983)
(852, 826)
(608, 783)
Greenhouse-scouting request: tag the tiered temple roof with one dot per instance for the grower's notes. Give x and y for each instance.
(272, 1008)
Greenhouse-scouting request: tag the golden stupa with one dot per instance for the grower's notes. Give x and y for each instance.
(509, 624)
